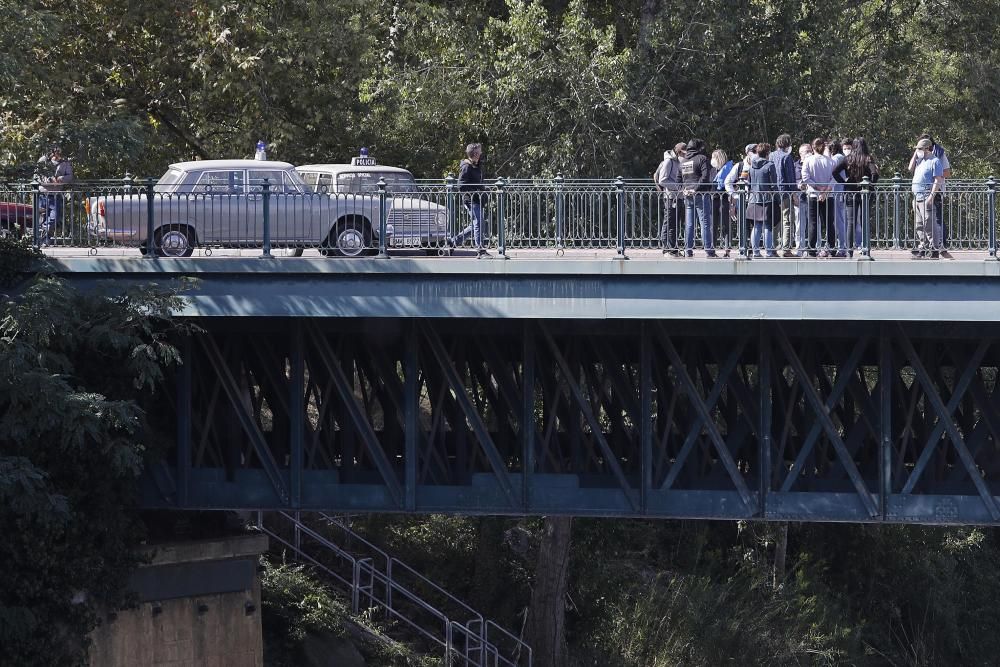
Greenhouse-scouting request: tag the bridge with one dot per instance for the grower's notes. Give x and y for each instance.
(583, 384)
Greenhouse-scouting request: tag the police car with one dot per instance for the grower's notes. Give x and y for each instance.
(413, 219)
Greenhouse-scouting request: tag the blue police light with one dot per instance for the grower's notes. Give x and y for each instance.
(261, 153)
(363, 160)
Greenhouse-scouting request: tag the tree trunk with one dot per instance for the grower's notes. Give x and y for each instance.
(780, 550)
(546, 632)
(647, 17)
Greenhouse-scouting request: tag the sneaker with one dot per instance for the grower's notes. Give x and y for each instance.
(840, 253)
(756, 254)
(482, 252)
(711, 254)
(917, 252)
(771, 254)
(823, 253)
(689, 253)
(933, 254)
(671, 252)
(726, 253)
(789, 253)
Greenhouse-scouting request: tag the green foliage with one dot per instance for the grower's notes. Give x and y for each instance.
(17, 258)
(587, 87)
(295, 604)
(76, 371)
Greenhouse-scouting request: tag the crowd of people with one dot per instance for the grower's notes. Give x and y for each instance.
(781, 204)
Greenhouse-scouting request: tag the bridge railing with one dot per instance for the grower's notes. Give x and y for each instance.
(609, 216)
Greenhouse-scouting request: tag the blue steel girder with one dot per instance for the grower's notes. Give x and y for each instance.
(864, 422)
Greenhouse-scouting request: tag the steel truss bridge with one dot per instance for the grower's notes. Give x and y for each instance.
(790, 390)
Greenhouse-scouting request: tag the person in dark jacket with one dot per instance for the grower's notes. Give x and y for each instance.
(788, 188)
(696, 175)
(853, 170)
(470, 184)
(763, 205)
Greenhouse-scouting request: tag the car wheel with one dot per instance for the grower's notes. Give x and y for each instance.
(349, 239)
(174, 241)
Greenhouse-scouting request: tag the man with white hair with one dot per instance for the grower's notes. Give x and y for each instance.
(668, 180)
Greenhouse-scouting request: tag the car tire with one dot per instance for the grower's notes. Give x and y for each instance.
(174, 241)
(349, 238)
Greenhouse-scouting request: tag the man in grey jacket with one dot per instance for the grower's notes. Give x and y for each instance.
(668, 181)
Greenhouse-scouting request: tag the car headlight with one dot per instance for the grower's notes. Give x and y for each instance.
(442, 218)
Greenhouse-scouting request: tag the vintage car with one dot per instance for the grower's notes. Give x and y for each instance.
(14, 218)
(220, 203)
(416, 221)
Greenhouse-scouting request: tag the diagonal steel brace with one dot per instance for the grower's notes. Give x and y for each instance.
(588, 414)
(706, 417)
(250, 427)
(945, 417)
(478, 426)
(364, 427)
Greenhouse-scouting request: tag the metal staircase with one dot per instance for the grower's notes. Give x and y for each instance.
(378, 582)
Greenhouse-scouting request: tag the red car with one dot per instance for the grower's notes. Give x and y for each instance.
(14, 218)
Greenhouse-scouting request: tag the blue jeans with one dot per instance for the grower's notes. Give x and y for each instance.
(474, 228)
(702, 203)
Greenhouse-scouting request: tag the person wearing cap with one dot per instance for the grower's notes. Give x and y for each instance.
(696, 173)
(941, 155)
(928, 179)
(668, 181)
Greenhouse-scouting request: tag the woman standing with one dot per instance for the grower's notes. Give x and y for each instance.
(856, 166)
(721, 166)
(764, 208)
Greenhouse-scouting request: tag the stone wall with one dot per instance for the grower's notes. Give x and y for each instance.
(199, 607)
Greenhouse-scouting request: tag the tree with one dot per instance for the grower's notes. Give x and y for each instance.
(546, 631)
(75, 370)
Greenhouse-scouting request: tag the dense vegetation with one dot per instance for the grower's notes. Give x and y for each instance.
(75, 371)
(666, 593)
(588, 87)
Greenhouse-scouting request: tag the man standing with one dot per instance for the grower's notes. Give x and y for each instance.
(783, 162)
(938, 151)
(668, 181)
(928, 179)
(802, 206)
(696, 172)
(61, 179)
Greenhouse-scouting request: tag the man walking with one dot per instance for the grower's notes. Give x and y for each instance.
(928, 179)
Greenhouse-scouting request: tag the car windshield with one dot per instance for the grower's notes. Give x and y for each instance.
(168, 180)
(367, 181)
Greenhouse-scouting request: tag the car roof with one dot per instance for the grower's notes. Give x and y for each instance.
(201, 165)
(350, 168)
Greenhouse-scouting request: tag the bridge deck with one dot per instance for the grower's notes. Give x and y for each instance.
(589, 284)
